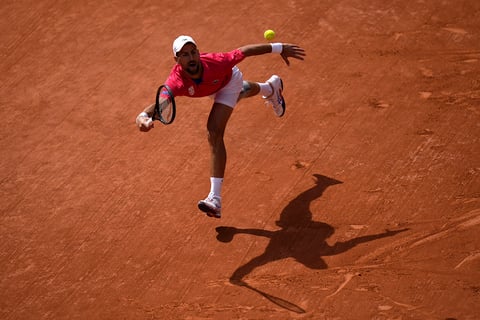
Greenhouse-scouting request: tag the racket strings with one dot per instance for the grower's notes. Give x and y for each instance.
(164, 110)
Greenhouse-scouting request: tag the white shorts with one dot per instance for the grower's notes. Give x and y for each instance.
(228, 95)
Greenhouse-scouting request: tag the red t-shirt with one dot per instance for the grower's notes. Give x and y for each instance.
(217, 72)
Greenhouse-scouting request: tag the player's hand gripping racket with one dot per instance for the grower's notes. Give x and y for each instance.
(164, 105)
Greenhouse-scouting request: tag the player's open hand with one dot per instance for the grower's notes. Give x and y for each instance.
(292, 51)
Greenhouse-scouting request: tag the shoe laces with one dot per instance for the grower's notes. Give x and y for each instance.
(214, 199)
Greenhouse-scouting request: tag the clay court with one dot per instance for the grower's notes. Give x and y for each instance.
(362, 202)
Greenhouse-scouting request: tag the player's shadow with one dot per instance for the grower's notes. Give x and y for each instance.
(299, 238)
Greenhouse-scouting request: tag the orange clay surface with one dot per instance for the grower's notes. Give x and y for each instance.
(362, 202)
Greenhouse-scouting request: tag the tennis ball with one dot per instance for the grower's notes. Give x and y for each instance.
(269, 34)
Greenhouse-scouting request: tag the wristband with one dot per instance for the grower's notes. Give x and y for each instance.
(277, 47)
(143, 114)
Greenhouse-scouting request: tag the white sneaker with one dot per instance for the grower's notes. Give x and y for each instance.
(212, 206)
(276, 98)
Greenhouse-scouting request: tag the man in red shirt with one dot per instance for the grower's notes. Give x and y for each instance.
(198, 74)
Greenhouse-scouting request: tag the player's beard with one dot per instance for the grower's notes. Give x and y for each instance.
(193, 68)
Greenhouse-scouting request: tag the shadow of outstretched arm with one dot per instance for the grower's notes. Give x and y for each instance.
(341, 247)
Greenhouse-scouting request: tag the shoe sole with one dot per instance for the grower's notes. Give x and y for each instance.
(209, 211)
(284, 105)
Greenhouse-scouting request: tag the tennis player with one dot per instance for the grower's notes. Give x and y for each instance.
(216, 75)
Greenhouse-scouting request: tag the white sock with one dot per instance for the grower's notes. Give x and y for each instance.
(265, 89)
(216, 186)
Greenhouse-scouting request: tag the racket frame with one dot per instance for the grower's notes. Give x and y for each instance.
(157, 110)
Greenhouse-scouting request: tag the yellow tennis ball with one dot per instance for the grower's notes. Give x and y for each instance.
(269, 34)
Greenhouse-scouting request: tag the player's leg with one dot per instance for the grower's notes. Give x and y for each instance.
(217, 122)
(271, 91)
(225, 101)
(249, 89)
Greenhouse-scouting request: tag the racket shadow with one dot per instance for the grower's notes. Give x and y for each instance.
(299, 238)
(285, 304)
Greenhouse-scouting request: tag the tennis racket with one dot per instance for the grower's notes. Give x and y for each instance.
(164, 105)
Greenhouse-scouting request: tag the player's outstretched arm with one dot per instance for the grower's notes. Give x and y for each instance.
(286, 50)
(145, 119)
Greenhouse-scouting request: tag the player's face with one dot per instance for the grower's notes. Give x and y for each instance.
(189, 59)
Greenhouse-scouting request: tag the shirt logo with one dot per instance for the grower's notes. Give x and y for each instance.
(191, 90)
